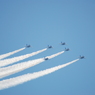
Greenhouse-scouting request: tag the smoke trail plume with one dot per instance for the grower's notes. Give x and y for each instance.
(24, 65)
(27, 77)
(10, 53)
(16, 59)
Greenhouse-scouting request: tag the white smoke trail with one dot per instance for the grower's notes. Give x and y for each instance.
(27, 77)
(16, 59)
(10, 53)
(22, 66)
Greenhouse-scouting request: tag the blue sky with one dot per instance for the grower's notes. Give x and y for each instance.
(48, 22)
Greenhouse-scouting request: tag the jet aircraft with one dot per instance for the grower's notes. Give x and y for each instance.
(27, 46)
(67, 49)
(46, 58)
(63, 43)
(50, 47)
(81, 57)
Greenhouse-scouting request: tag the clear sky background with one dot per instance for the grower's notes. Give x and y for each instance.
(48, 22)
